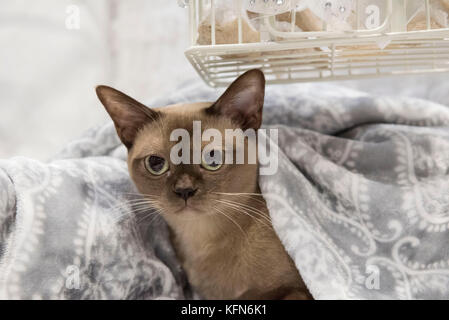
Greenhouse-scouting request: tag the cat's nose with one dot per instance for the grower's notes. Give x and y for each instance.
(185, 193)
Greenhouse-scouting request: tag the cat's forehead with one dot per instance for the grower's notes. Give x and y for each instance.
(156, 134)
(184, 108)
(183, 116)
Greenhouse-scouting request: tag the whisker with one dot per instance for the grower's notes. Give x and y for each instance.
(141, 195)
(247, 195)
(242, 210)
(127, 213)
(118, 210)
(237, 206)
(233, 221)
(152, 214)
(133, 208)
(131, 203)
(240, 193)
(135, 212)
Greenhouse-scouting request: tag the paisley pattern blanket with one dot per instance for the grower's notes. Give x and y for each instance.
(360, 200)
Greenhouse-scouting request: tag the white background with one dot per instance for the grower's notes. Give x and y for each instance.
(48, 73)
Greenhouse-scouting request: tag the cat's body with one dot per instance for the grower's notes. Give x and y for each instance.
(218, 219)
(224, 262)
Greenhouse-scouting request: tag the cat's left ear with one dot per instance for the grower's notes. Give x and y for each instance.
(243, 100)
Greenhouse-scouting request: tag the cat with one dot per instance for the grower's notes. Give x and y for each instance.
(219, 222)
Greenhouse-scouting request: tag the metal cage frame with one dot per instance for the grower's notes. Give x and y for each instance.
(383, 51)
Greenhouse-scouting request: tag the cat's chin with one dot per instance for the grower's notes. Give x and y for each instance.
(187, 209)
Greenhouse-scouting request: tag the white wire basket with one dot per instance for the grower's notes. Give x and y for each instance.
(317, 40)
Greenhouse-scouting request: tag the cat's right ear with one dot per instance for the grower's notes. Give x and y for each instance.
(128, 115)
(243, 101)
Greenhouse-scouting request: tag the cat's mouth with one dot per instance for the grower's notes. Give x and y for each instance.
(187, 208)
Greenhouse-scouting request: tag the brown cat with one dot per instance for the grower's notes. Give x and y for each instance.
(219, 221)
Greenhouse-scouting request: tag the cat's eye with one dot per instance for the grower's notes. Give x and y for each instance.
(156, 165)
(212, 160)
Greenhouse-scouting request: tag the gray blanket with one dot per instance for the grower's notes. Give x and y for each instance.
(360, 201)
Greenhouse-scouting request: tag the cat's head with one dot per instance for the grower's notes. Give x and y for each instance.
(196, 187)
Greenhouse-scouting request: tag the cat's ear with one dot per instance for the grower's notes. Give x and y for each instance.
(129, 115)
(243, 100)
